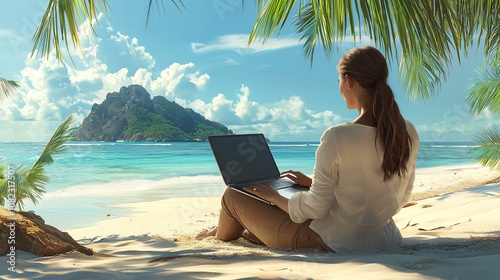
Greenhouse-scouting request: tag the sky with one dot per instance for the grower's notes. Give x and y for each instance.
(198, 56)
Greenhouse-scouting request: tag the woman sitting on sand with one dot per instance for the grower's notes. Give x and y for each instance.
(362, 177)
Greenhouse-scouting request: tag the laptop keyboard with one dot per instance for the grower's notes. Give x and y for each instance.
(280, 183)
(276, 184)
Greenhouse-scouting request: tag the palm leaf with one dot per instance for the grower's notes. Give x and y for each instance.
(2, 171)
(62, 17)
(487, 152)
(422, 73)
(271, 16)
(177, 5)
(477, 20)
(4, 187)
(7, 87)
(429, 33)
(29, 182)
(484, 92)
(56, 142)
(32, 185)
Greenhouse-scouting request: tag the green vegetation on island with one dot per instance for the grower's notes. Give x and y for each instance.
(131, 115)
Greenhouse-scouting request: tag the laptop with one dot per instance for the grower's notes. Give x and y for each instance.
(245, 159)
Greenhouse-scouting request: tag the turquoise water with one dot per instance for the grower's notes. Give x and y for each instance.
(93, 179)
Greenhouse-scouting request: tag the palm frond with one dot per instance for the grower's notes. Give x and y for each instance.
(29, 182)
(56, 142)
(307, 25)
(430, 33)
(4, 187)
(23, 186)
(7, 88)
(477, 20)
(484, 92)
(315, 24)
(422, 73)
(61, 18)
(3, 167)
(487, 152)
(29, 186)
(32, 184)
(270, 16)
(177, 4)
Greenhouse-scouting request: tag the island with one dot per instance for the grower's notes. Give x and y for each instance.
(131, 115)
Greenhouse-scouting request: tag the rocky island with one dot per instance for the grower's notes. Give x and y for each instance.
(131, 115)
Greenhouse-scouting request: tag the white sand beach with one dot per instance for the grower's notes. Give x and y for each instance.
(451, 230)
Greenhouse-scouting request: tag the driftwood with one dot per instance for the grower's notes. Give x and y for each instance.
(28, 232)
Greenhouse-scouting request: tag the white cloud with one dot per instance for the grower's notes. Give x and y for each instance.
(27, 131)
(169, 79)
(114, 81)
(291, 109)
(248, 110)
(239, 43)
(11, 37)
(85, 32)
(230, 61)
(6, 33)
(134, 49)
(220, 109)
(66, 90)
(51, 91)
(142, 77)
(288, 119)
(457, 123)
(199, 80)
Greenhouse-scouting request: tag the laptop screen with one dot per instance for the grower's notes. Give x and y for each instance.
(244, 157)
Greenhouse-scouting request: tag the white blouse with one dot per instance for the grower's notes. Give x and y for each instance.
(350, 204)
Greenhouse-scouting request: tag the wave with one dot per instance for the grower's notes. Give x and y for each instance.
(130, 186)
(152, 144)
(119, 143)
(454, 146)
(293, 145)
(92, 144)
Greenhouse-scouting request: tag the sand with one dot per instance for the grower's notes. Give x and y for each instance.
(451, 230)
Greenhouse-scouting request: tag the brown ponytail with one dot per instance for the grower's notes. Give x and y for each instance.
(368, 67)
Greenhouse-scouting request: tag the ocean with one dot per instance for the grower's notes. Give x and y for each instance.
(93, 180)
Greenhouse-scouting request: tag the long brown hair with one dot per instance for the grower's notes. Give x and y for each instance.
(368, 67)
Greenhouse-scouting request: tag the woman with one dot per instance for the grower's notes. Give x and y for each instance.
(362, 177)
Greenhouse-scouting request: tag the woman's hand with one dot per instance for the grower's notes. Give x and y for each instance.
(298, 177)
(266, 192)
(263, 191)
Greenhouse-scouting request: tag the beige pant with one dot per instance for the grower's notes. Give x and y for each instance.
(271, 225)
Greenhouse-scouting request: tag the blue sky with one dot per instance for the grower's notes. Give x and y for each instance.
(199, 58)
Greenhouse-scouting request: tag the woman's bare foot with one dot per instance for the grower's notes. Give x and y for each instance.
(206, 233)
